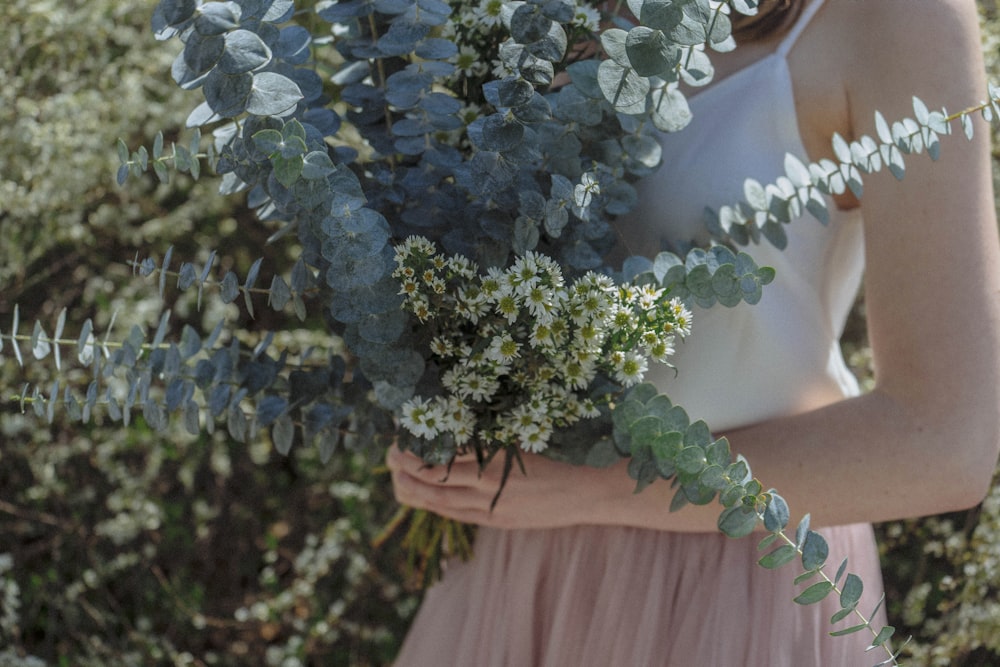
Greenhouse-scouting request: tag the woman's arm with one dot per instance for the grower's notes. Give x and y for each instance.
(926, 439)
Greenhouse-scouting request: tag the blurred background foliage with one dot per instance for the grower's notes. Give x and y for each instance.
(121, 547)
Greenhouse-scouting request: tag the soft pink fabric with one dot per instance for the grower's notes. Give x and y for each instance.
(595, 596)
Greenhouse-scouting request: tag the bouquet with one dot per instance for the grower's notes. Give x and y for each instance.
(507, 134)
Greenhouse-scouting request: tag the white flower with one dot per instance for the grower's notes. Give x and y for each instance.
(502, 348)
(535, 439)
(588, 18)
(477, 386)
(648, 296)
(508, 307)
(442, 347)
(542, 302)
(576, 373)
(469, 62)
(588, 409)
(420, 417)
(631, 370)
(662, 349)
(458, 420)
(489, 13)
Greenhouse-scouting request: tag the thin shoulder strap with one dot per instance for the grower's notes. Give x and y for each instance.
(793, 34)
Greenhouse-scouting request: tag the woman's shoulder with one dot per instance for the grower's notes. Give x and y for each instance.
(894, 49)
(860, 55)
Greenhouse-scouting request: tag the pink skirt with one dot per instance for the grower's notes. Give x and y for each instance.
(597, 596)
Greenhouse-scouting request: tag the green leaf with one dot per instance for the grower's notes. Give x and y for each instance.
(783, 555)
(287, 170)
(884, 635)
(814, 551)
(776, 514)
(850, 593)
(732, 495)
(268, 141)
(840, 571)
(805, 576)
(849, 631)
(713, 477)
(737, 521)
(767, 541)
(650, 53)
(272, 94)
(691, 460)
(814, 593)
(645, 429)
(841, 615)
(40, 344)
(801, 531)
(718, 453)
(622, 87)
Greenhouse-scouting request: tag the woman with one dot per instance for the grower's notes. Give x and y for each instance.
(572, 567)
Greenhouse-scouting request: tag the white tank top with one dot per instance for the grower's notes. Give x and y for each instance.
(781, 356)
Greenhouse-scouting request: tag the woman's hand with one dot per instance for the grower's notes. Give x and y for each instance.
(548, 494)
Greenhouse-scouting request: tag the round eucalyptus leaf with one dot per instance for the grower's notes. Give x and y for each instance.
(689, 32)
(698, 69)
(435, 48)
(384, 328)
(737, 521)
(783, 555)
(244, 52)
(401, 38)
(528, 24)
(272, 94)
(490, 172)
(269, 408)
(658, 14)
(670, 110)
(622, 87)
(649, 51)
(176, 11)
(814, 551)
(293, 44)
(201, 53)
(404, 89)
(536, 110)
(814, 593)
(227, 95)
(317, 165)
(439, 104)
(358, 271)
(551, 47)
(345, 12)
(501, 133)
(215, 18)
(776, 514)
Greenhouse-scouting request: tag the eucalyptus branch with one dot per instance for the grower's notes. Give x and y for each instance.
(302, 282)
(766, 208)
(662, 443)
(181, 158)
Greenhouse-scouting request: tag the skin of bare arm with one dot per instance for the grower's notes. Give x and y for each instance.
(926, 439)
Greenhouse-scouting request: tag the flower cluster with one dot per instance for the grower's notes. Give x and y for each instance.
(519, 349)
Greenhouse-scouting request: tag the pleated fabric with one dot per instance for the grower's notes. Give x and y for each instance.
(595, 596)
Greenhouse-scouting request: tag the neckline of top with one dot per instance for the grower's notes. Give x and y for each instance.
(697, 93)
